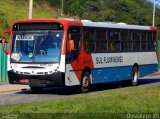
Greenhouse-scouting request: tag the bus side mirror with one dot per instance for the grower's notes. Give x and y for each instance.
(4, 41)
(71, 45)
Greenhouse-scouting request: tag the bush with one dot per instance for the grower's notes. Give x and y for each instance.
(3, 23)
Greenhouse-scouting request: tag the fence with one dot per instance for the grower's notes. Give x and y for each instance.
(3, 66)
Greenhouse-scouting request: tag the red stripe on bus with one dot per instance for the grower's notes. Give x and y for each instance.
(153, 28)
(84, 60)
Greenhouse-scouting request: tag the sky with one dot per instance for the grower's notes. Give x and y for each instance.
(157, 2)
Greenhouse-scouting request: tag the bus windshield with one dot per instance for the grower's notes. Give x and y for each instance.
(36, 46)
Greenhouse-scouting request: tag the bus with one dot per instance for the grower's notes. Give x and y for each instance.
(71, 52)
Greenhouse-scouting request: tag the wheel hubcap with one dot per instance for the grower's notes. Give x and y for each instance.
(135, 77)
(85, 83)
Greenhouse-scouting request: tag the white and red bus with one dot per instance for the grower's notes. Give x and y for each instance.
(69, 52)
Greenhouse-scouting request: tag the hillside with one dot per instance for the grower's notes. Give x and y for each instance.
(11, 10)
(128, 11)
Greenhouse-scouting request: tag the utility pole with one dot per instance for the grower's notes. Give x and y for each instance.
(30, 8)
(62, 9)
(154, 5)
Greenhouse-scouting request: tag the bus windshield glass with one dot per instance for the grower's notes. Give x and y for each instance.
(36, 46)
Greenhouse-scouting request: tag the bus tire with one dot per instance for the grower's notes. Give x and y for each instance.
(36, 89)
(85, 82)
(134, 76)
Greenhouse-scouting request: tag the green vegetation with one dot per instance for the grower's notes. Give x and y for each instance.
(140, 99)
(12, 10)
(128, 11)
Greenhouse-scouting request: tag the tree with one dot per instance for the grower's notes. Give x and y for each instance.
(3, 23)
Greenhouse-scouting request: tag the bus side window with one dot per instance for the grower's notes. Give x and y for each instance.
(100, 37)
(73, 43)
(111, 46)
(114, 41)
(70, 44)
(89, 41)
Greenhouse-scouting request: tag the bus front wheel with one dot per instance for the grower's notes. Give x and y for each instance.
(134, 76)
(85, 82)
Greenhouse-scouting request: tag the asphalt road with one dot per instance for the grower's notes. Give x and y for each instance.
(26, 96)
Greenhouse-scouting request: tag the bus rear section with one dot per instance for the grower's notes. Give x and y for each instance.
(120, 52)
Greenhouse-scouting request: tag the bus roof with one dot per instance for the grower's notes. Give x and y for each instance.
(44, 20)
(89, 23)
(62, 21)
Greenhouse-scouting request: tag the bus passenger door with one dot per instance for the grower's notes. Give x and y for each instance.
(73, 57)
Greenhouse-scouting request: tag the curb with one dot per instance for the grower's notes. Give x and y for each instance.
(11, 88)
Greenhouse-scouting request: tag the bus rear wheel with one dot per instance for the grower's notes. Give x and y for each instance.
(134, 76)
(85, 82)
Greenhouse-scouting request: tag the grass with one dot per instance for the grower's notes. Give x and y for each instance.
(141, 99)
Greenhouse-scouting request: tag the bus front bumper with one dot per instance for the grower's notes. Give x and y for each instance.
(55, 79)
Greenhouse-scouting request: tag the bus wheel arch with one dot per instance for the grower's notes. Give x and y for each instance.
(135, 74)
(136, 65)
(86, 80)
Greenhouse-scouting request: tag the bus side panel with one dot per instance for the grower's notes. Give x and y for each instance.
(111, 67)
(115, 74)
(147, 69)
(111, 74)
(70, 76)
